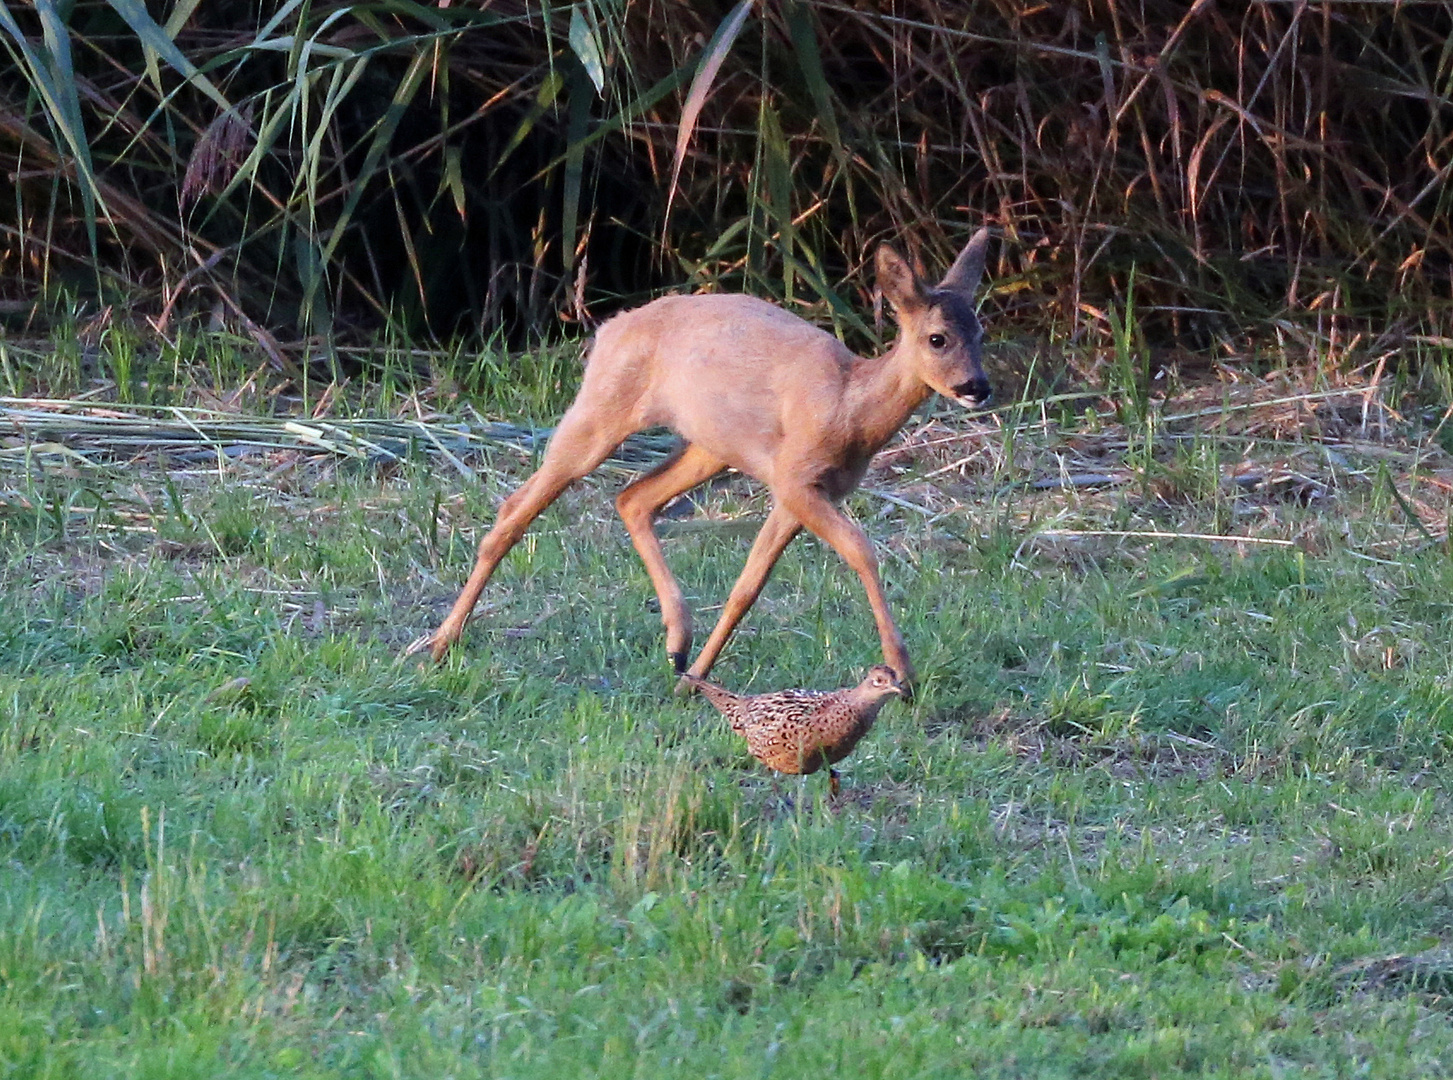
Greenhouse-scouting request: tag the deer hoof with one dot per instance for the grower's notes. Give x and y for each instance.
(678, 662)
(418, 645)
(684, 688)
(906, 677)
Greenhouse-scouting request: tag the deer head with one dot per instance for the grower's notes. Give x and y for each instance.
(939, 332)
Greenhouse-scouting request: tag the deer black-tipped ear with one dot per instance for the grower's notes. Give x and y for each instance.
(963, 277)
(897, 281)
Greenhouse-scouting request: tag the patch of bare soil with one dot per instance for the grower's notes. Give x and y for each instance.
(1429, 972)
(1140, 755)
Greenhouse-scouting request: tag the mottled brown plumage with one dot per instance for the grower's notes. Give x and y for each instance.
(799, 731)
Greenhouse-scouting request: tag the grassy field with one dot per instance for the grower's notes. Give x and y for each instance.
(1161, 807)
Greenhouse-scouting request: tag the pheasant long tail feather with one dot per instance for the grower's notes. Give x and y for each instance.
(724, 700)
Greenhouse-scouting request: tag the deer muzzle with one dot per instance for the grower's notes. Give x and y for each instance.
(974, 393)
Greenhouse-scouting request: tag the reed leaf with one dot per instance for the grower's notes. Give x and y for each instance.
(711, 61)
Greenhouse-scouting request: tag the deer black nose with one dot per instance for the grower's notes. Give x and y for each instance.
(973, 392)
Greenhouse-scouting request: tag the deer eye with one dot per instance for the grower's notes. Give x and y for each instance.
(938, 341)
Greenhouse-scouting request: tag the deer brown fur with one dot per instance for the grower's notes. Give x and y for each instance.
(749, 386)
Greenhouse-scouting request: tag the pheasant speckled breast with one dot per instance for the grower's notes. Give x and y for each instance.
(798, 731)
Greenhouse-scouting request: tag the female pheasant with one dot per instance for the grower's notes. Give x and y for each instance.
(799, 731)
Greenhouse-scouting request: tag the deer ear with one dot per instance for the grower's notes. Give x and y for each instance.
(963, 277)
(897, 281)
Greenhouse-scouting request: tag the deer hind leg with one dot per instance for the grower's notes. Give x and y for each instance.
(637, 505)
(776, 533)
(577, 447)
(830, 525)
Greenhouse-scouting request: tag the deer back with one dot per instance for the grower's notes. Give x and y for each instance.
(764, 390)
(733, 374)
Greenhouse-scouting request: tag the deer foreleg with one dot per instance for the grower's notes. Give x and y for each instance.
(637, 506)
(833, 527)
(776, 533)
(575, 450)
(515, 515)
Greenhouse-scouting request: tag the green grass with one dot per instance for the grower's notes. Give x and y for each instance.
(1157, 809)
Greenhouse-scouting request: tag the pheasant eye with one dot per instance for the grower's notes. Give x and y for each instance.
(938, 341)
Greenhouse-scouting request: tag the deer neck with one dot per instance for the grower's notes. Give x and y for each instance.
(887, 391)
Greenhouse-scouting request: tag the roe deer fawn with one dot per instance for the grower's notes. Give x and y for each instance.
(749, 386)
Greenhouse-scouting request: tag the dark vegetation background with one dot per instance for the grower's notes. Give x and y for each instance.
(1237, 170)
